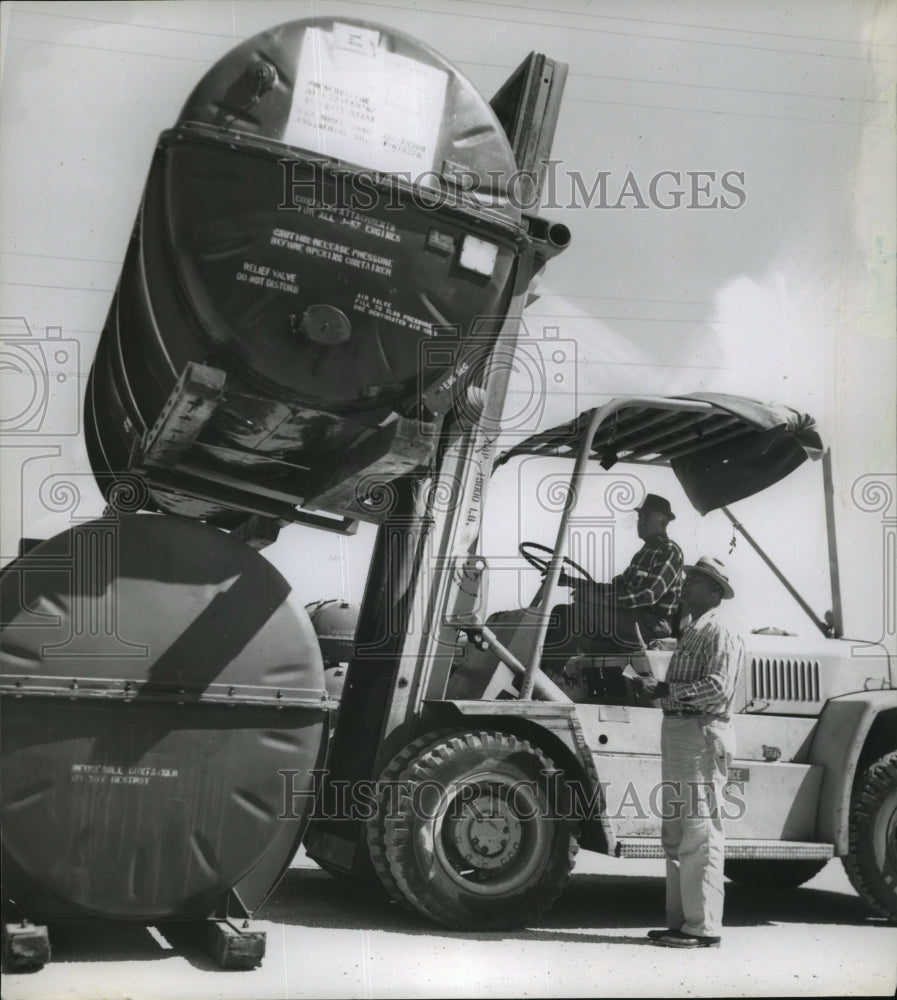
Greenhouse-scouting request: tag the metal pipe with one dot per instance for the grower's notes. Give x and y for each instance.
(544, 686)
(834, 570)
(549, 238)
(786, 583)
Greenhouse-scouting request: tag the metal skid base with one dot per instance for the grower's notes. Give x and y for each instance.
(25, 945)
(234, 945)
(187, 452)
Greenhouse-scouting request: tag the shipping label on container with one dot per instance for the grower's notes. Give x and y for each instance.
(357, 102)
(268, 277)
(114, 774)
(371, 305)
(350, 218)
(338, 253)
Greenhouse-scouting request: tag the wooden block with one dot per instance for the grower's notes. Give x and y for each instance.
(25, 945)
(234, 948)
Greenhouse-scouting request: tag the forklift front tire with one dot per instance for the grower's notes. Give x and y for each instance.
(871, 861)
(475, 830)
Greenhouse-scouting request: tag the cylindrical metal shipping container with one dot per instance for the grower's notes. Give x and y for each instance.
(335, 623)
(163, 707)
(332, 204)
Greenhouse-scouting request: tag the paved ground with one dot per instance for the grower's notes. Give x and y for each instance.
(328, 939)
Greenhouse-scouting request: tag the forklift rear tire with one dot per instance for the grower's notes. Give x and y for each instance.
(477, 835)
(871, 861)
(770, 873)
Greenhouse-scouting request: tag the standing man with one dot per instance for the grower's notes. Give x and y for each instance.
(696, 745)
(604, 617)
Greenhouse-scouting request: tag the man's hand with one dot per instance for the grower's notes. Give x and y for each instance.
(652, 687)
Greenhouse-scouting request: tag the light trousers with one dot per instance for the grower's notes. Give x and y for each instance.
(695, 756)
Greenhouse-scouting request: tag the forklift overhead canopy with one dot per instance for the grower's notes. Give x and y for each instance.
(721, 448)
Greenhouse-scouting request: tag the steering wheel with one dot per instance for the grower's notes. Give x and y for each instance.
(526, 550)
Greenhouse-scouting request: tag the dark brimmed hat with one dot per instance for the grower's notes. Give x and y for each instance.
(659, 505)
(717, 572)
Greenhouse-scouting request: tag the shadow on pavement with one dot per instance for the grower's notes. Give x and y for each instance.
(312, 898)
(309, 897)
(100, 940)
(638, 901)
(110, 941)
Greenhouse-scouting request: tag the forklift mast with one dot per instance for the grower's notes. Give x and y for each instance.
(423, 564)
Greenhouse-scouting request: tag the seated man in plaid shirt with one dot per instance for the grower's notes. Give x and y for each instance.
(606, 618)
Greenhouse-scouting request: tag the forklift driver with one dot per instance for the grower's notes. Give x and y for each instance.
(644, 598)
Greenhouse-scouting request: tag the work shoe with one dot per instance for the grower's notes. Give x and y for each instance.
(676, 939)
(657, 935)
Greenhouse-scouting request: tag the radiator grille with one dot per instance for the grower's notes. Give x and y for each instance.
(785, 680)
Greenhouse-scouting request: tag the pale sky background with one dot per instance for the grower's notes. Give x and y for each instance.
(790, 297)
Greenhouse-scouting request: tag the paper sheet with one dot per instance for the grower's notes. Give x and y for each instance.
(357, 102)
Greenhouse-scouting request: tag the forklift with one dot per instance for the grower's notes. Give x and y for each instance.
(484, 794)
(459, 776)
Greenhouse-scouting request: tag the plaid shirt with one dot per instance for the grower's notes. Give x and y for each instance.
(653, 579)
(704, 669)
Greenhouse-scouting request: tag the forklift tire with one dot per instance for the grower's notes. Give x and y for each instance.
(770, 873)
(871, 860)
(477, 835)
(385, 804)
